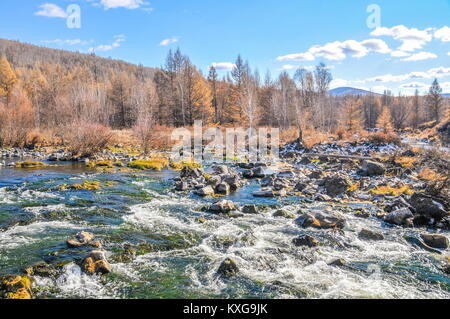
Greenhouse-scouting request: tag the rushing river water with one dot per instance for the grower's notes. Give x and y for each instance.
(178, 255)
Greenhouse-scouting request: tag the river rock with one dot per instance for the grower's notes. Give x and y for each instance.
(264, 193)
(336, 185)
(181, 186)
(205, 191)
(250, 209)
(96, 263)
(228, 268)
(82, 239)
(305, 240)
(234, 181)
(222, 207)
(193, 172)
(15, 287)
(42, 270)
(321, 220)
(214, 181)
(435, 240)
(223, 188)
(283, 213)
(425, 205)
(338, 262)
(220, 170)
(370, 234)
(399, 217)
(371, 168)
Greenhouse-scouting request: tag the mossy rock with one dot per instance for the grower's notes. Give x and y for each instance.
(15, 287)
(31, 164)
(153, 164)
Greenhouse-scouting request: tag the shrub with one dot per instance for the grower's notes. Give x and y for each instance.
(384, 138)
(86, 140)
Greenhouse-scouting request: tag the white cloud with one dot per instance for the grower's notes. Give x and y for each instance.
(51, 10)
(336, 51)
(399, 54)
(380, 89)
(129, 4)
(421, 56)
(438, 72)
(224, 66)
(412, 39)
(413, 85)
(168, 41)
(108, 47)
(443, 34)
(288, 67)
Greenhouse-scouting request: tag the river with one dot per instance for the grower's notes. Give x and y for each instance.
(179, 253)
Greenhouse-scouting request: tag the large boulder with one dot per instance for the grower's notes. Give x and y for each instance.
(205, 191)
(401, 217)
(321, 220)
(371, 168)
(234, 181)
(425, 205)
(191, 172)
(435, 240)
(96, 263)
(336, 185)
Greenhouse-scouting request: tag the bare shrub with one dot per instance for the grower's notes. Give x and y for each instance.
(87, 139)
(384, 138)
(144, 133)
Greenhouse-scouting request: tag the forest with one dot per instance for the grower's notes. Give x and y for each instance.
(50, 96)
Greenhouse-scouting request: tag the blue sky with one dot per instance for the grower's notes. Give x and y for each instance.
(406, 50)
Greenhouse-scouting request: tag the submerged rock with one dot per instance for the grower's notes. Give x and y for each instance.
(96, 263)
(283, 213)
(435, 240)
(338, 262)
(305, 240)
(228, 268)
(15, 287)
(370, 235)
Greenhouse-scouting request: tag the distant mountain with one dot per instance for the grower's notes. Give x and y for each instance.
(350, 91)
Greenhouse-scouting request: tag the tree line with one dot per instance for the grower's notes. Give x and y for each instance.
(44, 89)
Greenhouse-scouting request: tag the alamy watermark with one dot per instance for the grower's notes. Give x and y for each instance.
(225, 145)
(374, 19)
(73, 20)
